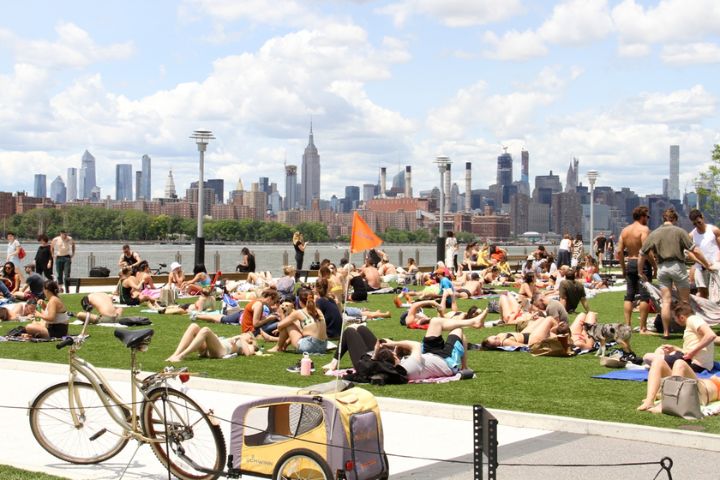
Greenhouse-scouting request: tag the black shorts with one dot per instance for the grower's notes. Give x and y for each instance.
(57, 330)
(632, 279)
(675, 356)
(439, 346)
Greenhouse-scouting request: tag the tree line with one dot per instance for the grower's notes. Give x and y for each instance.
(92, 223)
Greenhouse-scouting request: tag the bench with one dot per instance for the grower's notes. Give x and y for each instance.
(77, 282)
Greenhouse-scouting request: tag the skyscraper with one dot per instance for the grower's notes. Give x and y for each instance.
(40, 185)
(291, 199)
(138, 184)
(310, 185)
(524, 186)
(504, 177)
(571, 180)
(170, 186)
(87, 175)
(674, 180)
(72, 184)
(123, 182)
(58, 191)
(145, 183)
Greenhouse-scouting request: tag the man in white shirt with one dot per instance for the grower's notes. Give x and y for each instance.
(707, 238)
(62, 249)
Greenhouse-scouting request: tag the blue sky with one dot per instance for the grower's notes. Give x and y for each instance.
(387, 83)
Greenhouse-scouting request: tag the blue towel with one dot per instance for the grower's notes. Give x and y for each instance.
(642, 375)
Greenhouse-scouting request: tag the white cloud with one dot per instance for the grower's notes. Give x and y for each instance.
(691, 53)
(265, 12)
(514, 45)
(633, 50)
(686, 106)
(574, 22)
(73, 48)
(454, 13)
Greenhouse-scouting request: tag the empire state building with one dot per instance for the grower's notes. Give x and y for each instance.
(310, 180)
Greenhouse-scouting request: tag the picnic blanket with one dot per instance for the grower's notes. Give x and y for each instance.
(343, 371)
(641, 375)
(381, 290)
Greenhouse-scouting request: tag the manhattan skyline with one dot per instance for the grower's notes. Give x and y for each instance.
(386, 84)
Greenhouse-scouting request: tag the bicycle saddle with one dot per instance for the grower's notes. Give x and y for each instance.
(134, 338)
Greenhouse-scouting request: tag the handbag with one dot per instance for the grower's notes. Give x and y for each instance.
(168, 296)
(681, 397)
(552, 347)
(21, 253)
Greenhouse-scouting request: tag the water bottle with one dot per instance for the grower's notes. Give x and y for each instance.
(305, 365)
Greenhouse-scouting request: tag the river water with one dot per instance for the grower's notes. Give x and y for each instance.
(268, 257)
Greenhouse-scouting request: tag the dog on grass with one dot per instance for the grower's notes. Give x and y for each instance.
(609, 332)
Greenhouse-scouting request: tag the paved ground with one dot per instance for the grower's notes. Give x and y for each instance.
(409, 431)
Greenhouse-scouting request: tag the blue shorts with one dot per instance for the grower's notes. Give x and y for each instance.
(311, 345)
(353, 312)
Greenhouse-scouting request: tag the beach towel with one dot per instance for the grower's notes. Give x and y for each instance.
(381, 290)
(642, 375)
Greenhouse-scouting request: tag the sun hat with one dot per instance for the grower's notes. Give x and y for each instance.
(174, 266)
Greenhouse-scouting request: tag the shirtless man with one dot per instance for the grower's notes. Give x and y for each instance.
(372, 276)
(707, 238)
(469, 288)
(631, 239)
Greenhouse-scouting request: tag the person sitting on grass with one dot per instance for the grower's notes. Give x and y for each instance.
(572, 293)
(698, 348)
(34, 286)
(434, 357)
(208, 344)
(708, 388)
(176, 277)
(304, 329)
(11, 277)
(252, 318)
(102, 302)
(200, 280)
(535, 332)
(131, 290)
(52, 321)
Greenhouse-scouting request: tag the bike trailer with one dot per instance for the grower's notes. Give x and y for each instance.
(327, 435)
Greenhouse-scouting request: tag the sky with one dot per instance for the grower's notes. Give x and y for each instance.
(385, 83)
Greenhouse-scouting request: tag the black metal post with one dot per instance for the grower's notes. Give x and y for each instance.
(199, 251)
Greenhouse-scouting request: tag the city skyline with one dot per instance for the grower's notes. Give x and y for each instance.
(386, 83)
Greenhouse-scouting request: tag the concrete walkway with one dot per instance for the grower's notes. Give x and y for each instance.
(446, 433)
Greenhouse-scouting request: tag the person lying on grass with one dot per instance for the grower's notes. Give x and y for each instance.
(417, 317)
(536, 331)
(102, 302)
(16, 312)
(304, 328)
(254, 316)
(208, 344)
(708, 388)
(434, 357)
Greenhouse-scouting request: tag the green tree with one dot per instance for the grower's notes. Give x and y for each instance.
(710, 189)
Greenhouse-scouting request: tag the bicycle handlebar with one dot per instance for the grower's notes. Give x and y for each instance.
(65, 343)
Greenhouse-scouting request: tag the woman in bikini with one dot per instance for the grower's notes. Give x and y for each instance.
(579, 335)
(535, 332)
(176, 277)
(208, 344)
(198, 282)
(131, 290)
(11, 277)
(528, 289)
(304, 329)
(52, 321)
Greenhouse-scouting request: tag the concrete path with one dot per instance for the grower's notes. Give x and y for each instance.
(445, 433)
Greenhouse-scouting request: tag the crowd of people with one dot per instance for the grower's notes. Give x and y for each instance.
(537, 298)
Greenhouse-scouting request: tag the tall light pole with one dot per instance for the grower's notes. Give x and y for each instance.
(592, 176)
(202, 138)
(442, 162)
(698, 186)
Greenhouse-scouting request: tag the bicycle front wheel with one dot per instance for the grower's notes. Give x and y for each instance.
(94, 438)
(193, 447)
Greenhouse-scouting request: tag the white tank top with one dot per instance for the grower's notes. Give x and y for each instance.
(707, 243)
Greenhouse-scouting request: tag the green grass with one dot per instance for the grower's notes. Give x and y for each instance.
(12, 473)
(512, 381)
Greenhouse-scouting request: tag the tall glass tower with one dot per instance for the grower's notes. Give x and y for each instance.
(40, 185)
(87, 175)
(123, 182)
(145, 182)
(674, 180)
(72, 184)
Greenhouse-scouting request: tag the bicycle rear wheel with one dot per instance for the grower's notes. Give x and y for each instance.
(97, 437)
(196, 444)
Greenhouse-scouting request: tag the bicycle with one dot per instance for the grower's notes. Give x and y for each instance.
(86, 422)
(160, 270)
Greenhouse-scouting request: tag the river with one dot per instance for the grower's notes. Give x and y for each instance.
(268, 257)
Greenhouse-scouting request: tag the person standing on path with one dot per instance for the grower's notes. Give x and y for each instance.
(43, 257)
(669, 244)
(13, 252)
(599, 247)
(62, 250)
(631, 240)
(299, 244)
(451, 247)
(707, 238)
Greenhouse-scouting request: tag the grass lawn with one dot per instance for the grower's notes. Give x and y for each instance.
(512, 381)
(12, 473)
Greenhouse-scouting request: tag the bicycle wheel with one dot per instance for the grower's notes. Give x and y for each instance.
(97, 437)
(302, 464)
(196, 444)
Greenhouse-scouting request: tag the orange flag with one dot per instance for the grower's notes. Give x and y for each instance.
(362, 238)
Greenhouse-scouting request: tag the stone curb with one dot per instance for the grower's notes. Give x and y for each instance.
(623, 431)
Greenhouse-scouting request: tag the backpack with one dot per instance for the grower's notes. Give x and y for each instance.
(369, 370)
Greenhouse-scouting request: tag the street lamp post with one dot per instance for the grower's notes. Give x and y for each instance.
(442, 163)
(592, 176)
(202, 138)
(698, 186)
